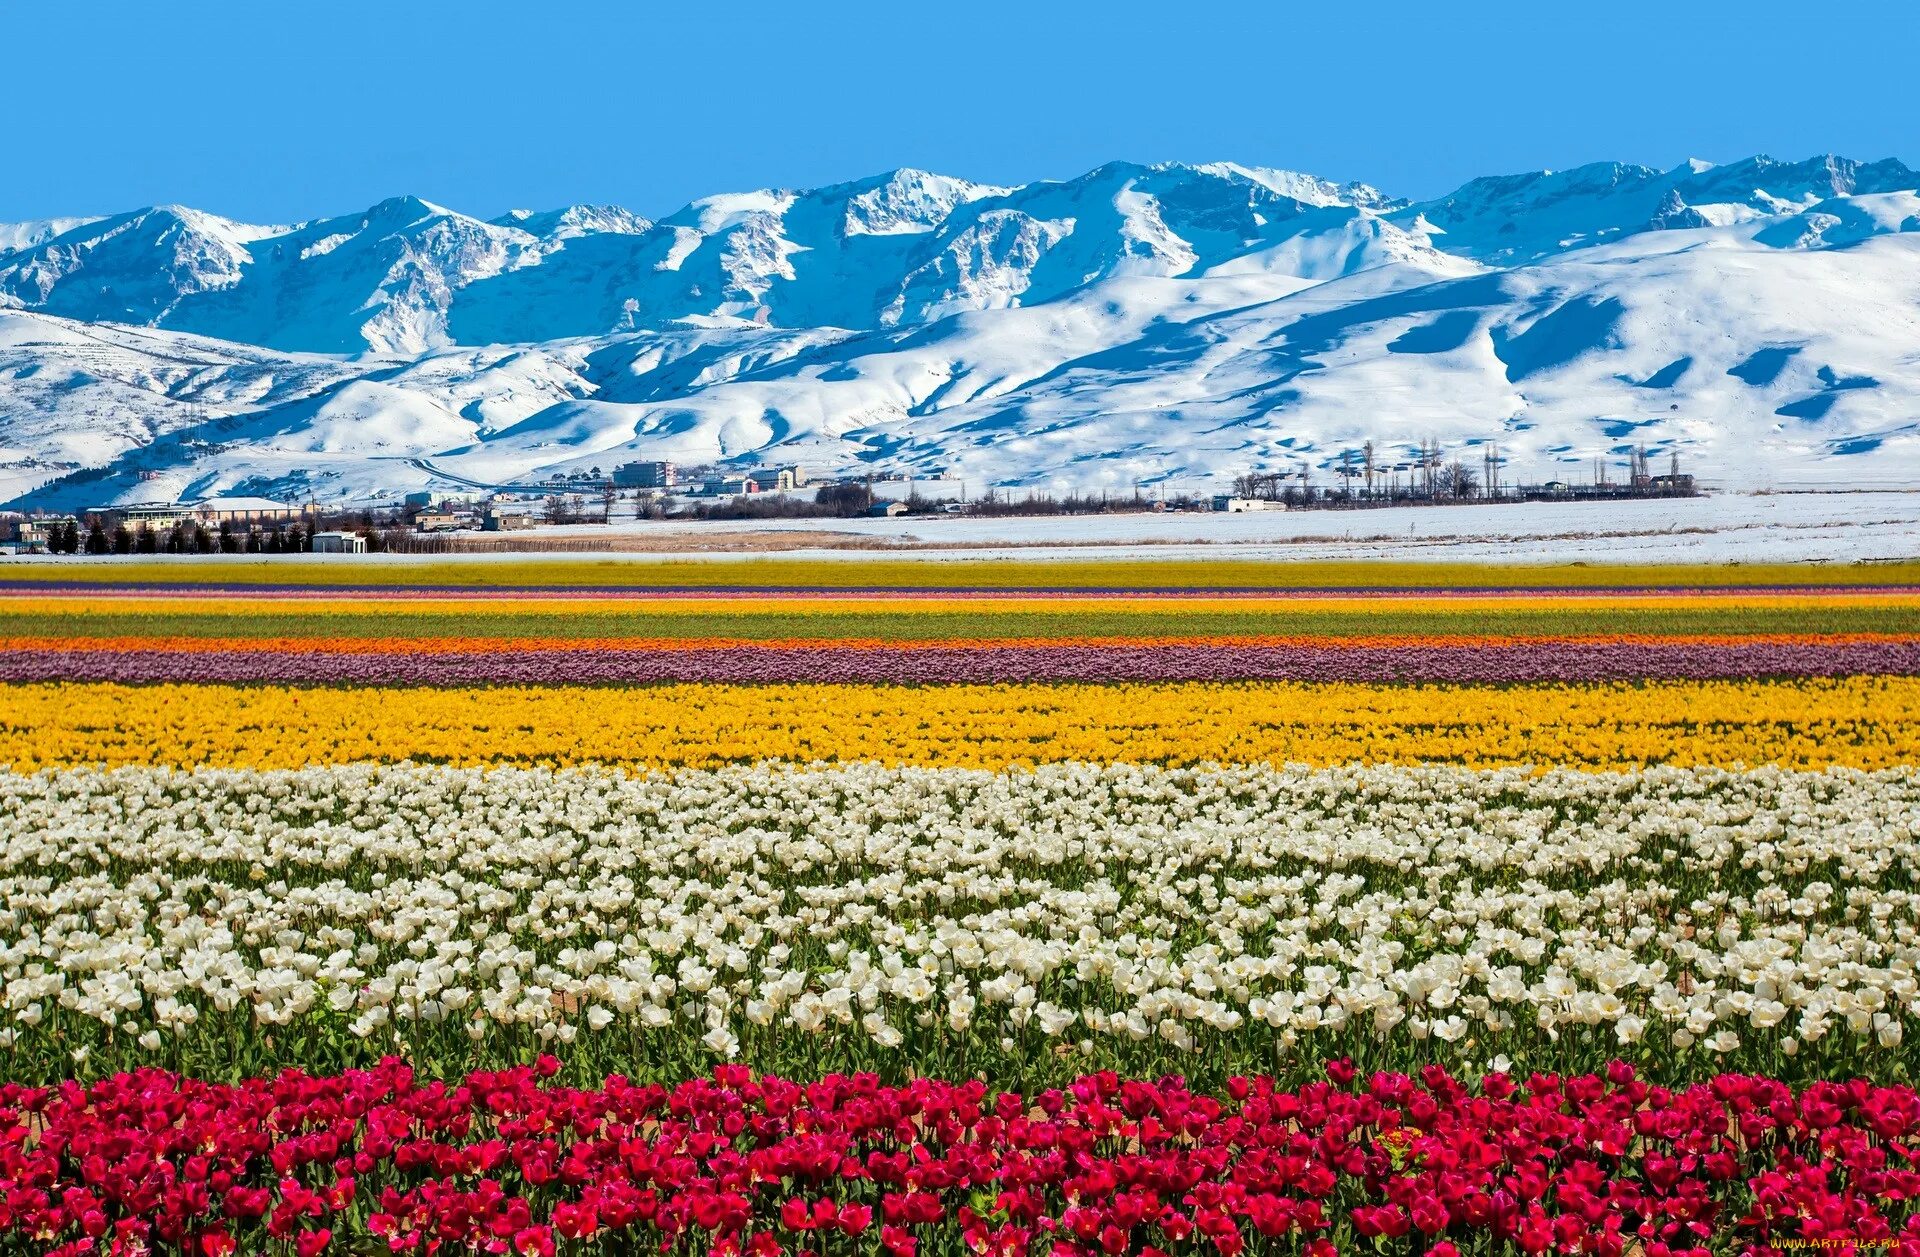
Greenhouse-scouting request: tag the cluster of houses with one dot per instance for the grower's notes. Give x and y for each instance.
(590, 496)
(498, 513)
(39, 532)
(672, 478)
(559, 501)
(667, 476)
(591, 492)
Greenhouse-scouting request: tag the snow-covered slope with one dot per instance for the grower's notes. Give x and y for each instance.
(1137, 323)
(26, 235)
(1507, 219)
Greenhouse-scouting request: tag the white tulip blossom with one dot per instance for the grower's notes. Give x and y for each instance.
(1095, 909)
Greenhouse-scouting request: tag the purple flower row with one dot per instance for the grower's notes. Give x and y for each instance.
(1523, 661)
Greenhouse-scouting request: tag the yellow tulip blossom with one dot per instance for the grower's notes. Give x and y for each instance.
(1863, 722)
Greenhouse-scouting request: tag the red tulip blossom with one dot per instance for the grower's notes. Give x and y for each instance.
(744, 1165)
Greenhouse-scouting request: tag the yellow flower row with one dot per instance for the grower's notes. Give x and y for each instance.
(1865, 722)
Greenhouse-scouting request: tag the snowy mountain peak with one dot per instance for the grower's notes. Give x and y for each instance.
(1307, 189)
(908, 202)
(131, 268)
(713, 214)
(407, 209)
(574, 221)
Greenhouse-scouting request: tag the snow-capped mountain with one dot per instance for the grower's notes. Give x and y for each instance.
(1136, 323)
(1522, 218)
(130, 268)
(575, 220)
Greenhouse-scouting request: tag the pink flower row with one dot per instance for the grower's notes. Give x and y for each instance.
(1490, 662)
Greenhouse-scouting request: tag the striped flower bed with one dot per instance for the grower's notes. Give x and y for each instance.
(1247, 919)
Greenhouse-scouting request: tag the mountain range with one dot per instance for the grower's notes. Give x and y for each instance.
(1137, 324)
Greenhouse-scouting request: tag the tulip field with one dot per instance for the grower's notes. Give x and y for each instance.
(958, 908)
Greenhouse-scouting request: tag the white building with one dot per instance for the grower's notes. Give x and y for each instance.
(249, 512)
(339, 543)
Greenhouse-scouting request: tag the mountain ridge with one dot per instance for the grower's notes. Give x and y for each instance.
(1136, 322)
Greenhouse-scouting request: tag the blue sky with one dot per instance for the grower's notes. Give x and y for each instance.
(274, 110)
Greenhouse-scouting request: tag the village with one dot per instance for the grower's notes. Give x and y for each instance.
(635, 492)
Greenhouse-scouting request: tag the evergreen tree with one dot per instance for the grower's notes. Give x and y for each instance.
(122, 540)
(97, 542)
(70, 538)
(144, 542)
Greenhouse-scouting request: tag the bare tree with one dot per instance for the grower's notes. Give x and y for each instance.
(1259, 486)
(1456, 480)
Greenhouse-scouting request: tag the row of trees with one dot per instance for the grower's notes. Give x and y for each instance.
(1445, 481)
(1003, 502)
(182, 538)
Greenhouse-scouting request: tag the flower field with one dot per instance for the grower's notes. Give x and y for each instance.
(1288, 912)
